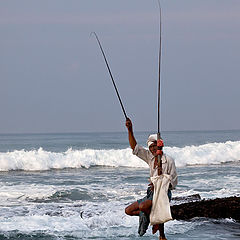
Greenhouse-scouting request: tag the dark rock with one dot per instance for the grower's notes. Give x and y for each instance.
(213, 208)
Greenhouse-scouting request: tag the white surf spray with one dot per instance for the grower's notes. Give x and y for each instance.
(37, 160)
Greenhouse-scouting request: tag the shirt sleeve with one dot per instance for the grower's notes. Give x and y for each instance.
(142, 153)
(173, 173)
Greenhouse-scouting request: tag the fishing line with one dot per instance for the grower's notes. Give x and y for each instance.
(109, 70)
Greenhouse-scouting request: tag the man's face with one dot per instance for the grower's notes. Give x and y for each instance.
(153, 148)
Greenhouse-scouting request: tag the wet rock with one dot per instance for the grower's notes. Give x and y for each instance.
(213, 208)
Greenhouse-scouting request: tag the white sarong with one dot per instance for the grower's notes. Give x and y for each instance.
(160, 212)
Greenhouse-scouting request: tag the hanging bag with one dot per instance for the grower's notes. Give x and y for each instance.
(160, 212)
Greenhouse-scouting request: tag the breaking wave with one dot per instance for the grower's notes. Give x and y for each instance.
(37, 160)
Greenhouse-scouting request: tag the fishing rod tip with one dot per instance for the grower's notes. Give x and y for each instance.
(93, 33)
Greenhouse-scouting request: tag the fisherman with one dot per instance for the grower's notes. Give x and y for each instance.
(142, 207)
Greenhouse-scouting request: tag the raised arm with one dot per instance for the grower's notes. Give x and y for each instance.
(131, 138)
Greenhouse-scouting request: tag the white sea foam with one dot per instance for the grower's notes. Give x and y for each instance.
(106, 219)
(211, 153)
(207, 154)
(108, 222)
(11, 195)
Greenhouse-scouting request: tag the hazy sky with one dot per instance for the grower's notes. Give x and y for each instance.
(53, 77)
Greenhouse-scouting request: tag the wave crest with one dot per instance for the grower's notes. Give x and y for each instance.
(37, 160)
(206, 154)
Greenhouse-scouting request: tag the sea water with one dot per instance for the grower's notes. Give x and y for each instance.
(76, 186)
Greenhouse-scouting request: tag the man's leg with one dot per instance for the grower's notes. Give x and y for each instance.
(145, 206)
(133, 209)
(161, 232)
(159, 227)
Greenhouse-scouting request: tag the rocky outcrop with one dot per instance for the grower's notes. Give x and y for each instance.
(213, 208)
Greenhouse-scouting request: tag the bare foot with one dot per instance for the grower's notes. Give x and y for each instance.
(162, 238)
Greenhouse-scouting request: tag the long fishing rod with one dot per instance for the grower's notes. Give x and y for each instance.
(159, 66)
(159, 140)
(109, 70)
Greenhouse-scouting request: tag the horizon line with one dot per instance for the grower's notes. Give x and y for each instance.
(137, 131)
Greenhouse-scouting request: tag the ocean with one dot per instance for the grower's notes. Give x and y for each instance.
(77, 185)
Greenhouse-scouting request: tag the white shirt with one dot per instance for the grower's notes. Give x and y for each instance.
(168, 164)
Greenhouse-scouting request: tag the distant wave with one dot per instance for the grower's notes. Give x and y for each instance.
(35, 160)
(206, 154)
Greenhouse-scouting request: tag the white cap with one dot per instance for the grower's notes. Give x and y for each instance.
(151, 139)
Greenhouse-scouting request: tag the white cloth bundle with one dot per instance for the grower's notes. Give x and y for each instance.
(160, 212)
